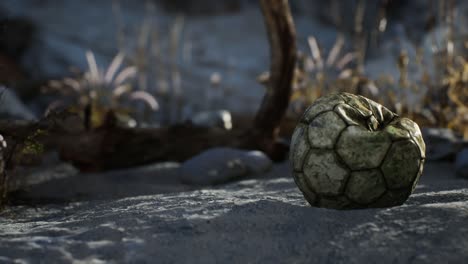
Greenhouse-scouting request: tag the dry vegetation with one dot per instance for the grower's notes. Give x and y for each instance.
(138, 82)
(98, 93)
(439, 90)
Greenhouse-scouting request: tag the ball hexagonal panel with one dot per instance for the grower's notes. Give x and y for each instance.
(401, 164)
(325, 173)
(321, 105)
(299, 147)
(305, 188)
(365, 186)
(325, 129)
(362, 149)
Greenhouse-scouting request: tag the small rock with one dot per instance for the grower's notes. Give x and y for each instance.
(220, 165)
(257, 162)
(11, 106)
(219, 118)
(442, 143)
(461, 163)
(161, 173)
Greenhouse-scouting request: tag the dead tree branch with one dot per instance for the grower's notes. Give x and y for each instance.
(282, 38)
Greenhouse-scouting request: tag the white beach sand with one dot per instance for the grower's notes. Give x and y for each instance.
(253, 221)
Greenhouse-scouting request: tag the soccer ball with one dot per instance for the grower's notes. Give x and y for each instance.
(350, 152)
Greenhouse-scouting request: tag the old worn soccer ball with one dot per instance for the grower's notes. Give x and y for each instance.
(350, 152)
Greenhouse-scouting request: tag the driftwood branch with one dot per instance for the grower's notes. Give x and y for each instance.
(113, 147)
(282, 38)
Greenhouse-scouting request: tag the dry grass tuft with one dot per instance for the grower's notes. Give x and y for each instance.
(97, 92)
(436, 95)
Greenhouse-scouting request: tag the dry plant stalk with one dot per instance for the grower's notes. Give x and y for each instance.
(176, 81)
(320, 73)
(155, 75)
(360, 38)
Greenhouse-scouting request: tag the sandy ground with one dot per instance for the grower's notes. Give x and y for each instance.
(253, 221)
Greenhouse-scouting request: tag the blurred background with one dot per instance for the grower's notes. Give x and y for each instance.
(161, 62)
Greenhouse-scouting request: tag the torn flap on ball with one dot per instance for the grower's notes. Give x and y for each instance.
(351, 115)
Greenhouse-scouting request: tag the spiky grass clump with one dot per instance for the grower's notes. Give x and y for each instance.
(99, 92)
(440, 86)
(322, 73)
(435, 96)
(155, 73)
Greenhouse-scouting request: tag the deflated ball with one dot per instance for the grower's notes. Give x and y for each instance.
(350, 152)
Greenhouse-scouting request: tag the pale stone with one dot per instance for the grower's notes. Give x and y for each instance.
(221, 165)
(257, 161)
(219, 118)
